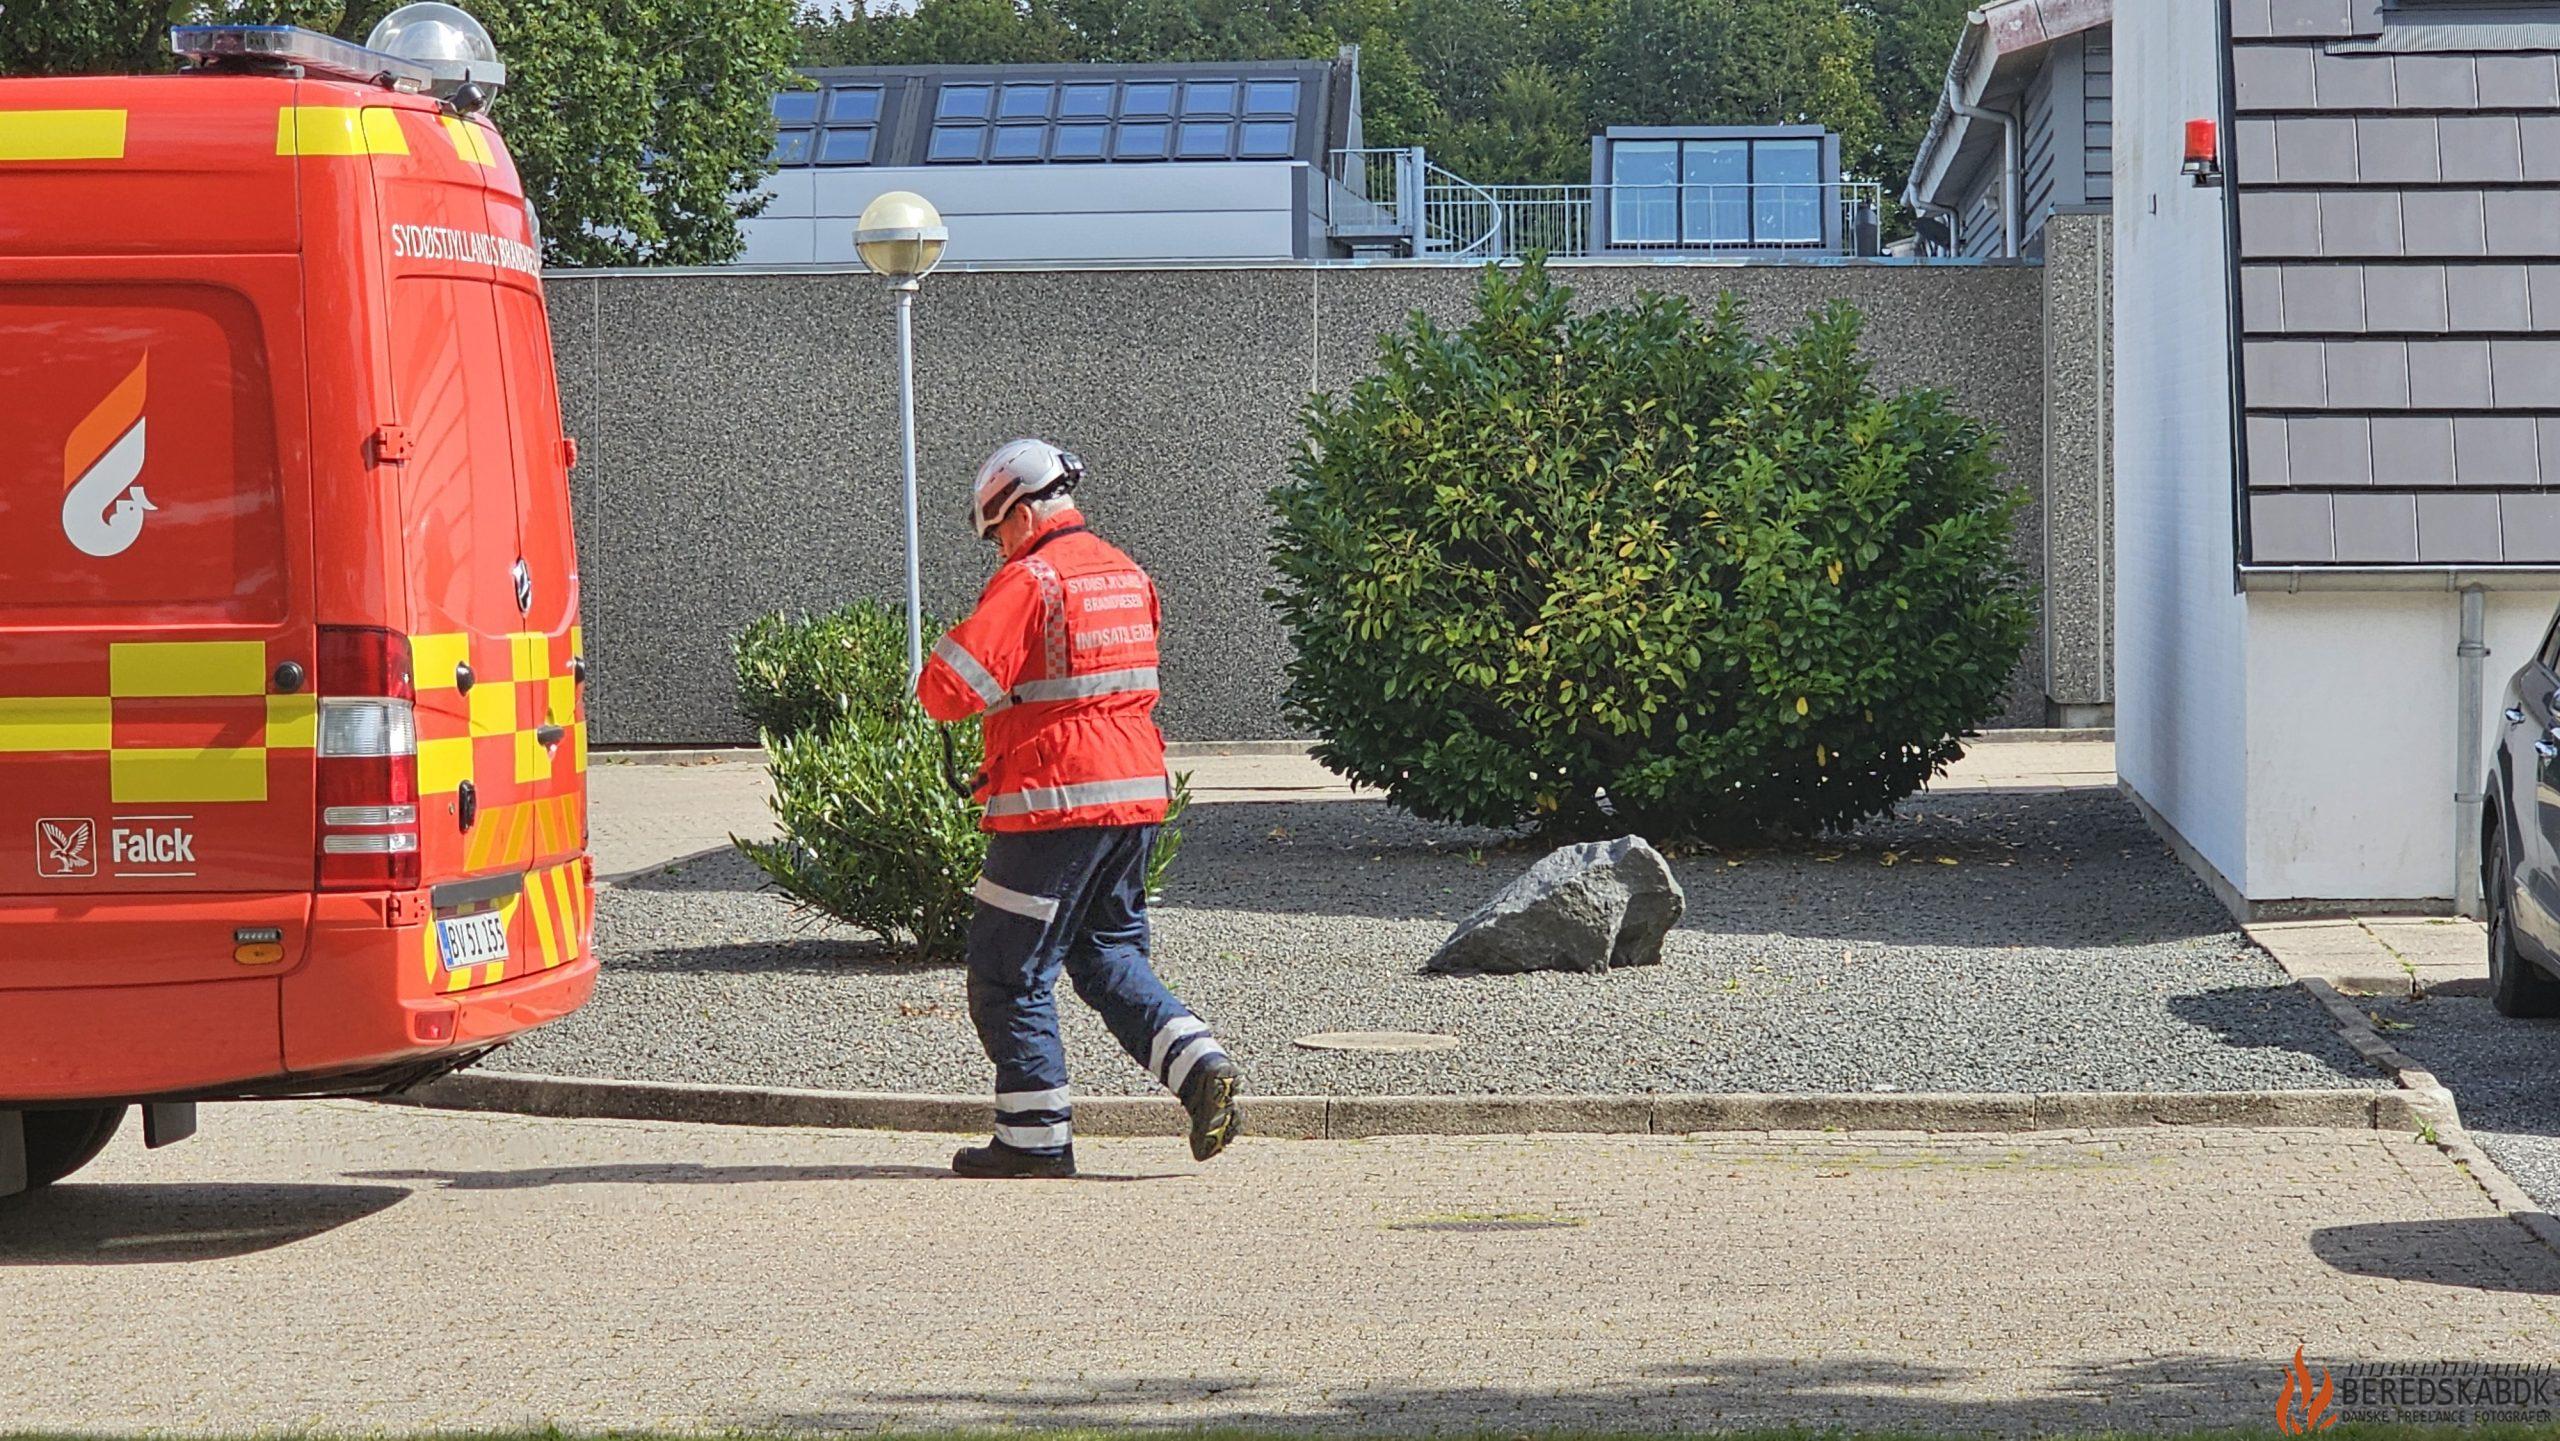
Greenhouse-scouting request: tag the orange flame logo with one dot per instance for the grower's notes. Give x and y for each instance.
(2300, 1408)
(103, 503)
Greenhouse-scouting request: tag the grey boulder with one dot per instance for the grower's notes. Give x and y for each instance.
(1582, 908)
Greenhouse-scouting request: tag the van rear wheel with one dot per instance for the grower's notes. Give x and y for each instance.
(61, 1142)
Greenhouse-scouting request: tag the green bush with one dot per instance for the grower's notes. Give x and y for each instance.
(871, 832)
(1634, 569)
(797, 675)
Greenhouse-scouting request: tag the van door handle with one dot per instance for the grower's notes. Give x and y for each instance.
(549, 735)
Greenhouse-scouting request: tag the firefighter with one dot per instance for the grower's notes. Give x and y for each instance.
(1061, 655)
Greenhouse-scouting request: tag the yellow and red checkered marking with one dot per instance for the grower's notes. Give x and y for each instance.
(548, 923)
(521, 683)
(181, 721)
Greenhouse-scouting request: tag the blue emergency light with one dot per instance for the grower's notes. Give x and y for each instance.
(425, 48)
(325, 56)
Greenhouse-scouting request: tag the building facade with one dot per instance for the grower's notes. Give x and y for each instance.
(1065, 163)
(2024, 129)
(2337, 429)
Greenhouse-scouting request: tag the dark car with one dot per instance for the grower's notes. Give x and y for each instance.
(2520, 840)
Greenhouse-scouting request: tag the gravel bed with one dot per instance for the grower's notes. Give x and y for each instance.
(2504, 1075)
(1978, 942)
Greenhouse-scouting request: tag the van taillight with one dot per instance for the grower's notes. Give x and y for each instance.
(367, 754)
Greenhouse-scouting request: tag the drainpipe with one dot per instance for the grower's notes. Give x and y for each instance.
(2008, 164)
(2467, 795)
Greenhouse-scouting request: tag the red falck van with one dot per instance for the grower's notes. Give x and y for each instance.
(292, 739)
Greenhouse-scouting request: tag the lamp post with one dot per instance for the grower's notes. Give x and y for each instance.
(900, 236)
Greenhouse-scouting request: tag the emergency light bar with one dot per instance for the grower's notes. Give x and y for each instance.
(316, 54)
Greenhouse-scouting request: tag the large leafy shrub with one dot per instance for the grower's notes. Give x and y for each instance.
(871, 832)
(1634, 569)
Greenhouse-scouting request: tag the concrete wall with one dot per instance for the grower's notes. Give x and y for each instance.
(2353, 700)
(2079, 440)
(739, 449)
(2180, 633)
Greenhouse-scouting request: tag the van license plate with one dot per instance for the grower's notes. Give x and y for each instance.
(472, 940)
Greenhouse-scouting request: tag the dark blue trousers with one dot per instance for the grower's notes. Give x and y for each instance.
(1074, 900)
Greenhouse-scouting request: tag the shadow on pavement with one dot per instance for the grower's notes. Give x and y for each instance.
(125, 1225)
(815, 955)
(691, 1174)
(2275, 1017)
(2171, 1393)
(2475, 1252)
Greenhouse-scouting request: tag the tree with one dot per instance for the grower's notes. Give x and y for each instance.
(123, 37)
(1532, 133)
(1914, 40)
(641, 127)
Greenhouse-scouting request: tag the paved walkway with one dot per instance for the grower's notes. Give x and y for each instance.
(2380, 955)
(354, 1267)
(647, 814)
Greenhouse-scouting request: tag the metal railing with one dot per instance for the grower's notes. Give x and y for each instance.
(1832, 217)
(1398, 197)
(1368, 191)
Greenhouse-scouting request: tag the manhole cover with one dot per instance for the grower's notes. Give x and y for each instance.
(1393, 1041)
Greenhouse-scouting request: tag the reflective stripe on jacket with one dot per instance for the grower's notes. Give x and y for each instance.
(1061, 655)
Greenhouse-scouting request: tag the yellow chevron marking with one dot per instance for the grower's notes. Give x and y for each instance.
(339, 130)
(469, 141)
(543, 932)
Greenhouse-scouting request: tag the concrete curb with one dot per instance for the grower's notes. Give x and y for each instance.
(2431, 1108)
(1359, 1117)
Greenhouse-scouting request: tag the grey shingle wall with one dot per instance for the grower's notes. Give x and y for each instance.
(2399, 288)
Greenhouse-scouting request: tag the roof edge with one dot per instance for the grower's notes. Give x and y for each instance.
(1991, 34)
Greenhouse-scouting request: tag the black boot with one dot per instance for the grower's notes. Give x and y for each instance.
(1209, 1094)
(997, 1161)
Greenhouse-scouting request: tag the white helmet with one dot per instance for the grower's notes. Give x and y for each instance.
(1020, 470)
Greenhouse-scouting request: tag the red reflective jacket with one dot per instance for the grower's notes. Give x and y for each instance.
(1061, 655)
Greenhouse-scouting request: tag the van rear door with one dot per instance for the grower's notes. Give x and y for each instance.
(491, 574)
(155, 628)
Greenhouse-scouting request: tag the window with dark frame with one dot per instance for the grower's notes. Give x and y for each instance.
(1716, 191)
(851, 145)
(962, 102)
(1053, 119)
(1080, 142)
(1017, 143)
(952, 143)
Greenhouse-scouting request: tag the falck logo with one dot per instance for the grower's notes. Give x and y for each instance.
(102, 505)
(66, 847)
